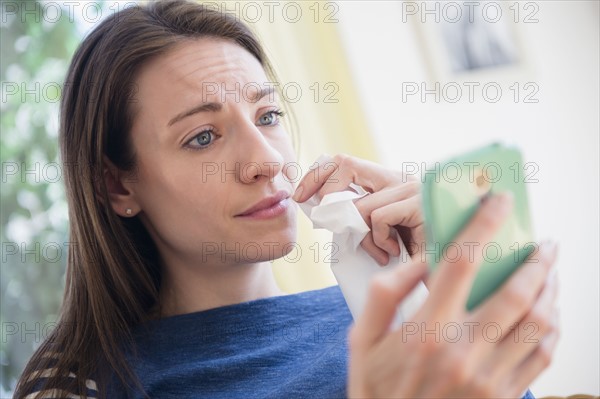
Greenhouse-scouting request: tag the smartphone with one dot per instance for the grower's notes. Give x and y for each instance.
(452, 192)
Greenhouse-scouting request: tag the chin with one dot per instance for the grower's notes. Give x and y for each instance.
(278, 245)
(269, 241)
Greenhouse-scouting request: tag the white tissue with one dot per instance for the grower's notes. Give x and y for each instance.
(351, 265)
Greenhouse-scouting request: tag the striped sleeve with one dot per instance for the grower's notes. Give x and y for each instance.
(41, 376)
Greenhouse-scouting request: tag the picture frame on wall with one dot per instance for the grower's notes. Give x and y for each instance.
(480, 42)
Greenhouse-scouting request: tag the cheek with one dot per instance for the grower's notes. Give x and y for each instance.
(195, 203)
(291, 170)
(183, 207)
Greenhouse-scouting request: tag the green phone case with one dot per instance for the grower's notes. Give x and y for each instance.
(451, 195)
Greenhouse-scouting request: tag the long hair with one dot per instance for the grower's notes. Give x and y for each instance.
(113, 276)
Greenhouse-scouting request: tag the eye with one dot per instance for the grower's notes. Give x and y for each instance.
(271, 118)
(202, 139)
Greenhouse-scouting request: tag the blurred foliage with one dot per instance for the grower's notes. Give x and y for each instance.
(36, 47)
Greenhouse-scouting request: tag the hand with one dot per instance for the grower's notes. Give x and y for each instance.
(392, 208)
(420, 360)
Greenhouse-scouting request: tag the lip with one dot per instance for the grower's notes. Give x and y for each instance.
(268, 207)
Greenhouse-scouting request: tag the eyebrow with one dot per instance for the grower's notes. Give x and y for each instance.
(216, 107)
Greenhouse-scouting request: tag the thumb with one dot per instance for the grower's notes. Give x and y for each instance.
(386, 290)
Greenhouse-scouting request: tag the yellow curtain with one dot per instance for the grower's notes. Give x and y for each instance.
(303, 43)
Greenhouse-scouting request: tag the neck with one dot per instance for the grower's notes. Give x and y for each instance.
(193, 289)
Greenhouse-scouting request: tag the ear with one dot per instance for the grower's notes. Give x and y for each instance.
(119, 188)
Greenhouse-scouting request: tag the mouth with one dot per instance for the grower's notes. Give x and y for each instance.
(268, 207)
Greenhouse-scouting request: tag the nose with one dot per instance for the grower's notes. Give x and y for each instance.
(260, 160)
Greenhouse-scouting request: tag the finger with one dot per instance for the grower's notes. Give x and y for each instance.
(315, 177)
(366, 205)
(405, 213)
(337, 174)
(539, 360)
(371, 206)
(516, 297)
(413, 238)
(518, 342)
(451, 284)
(374, 251)
(386, 290)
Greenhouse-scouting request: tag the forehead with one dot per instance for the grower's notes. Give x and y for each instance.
(201, 65)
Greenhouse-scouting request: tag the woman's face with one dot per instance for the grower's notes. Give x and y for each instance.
(207, 152)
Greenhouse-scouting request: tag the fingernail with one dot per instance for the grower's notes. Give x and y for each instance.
(548, 250)
(506, 199)
(554, 276)
(324, 158)
(298, 193)
(382, 260)
(501, 202)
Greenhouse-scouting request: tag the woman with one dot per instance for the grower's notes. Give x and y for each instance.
(178, 199)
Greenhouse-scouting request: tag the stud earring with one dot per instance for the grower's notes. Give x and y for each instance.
(128, 211)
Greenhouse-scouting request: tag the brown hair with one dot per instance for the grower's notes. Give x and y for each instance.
(113, 275)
